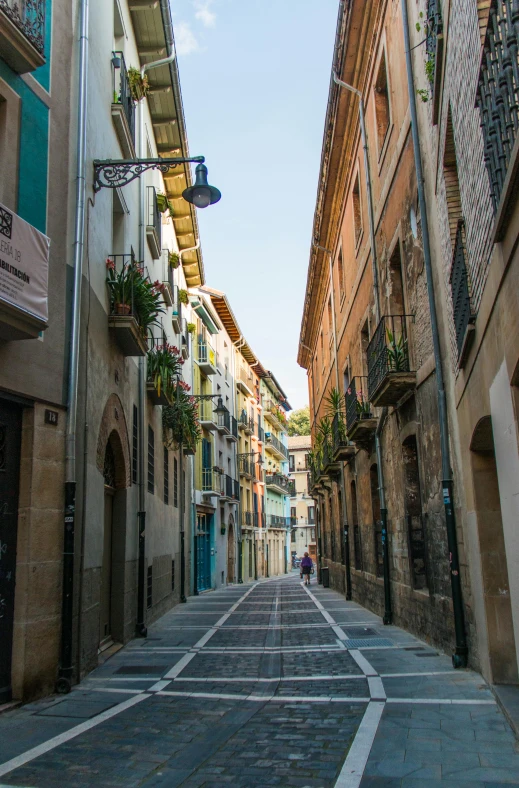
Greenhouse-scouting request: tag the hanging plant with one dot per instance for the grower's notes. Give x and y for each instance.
(163, 367)
(162, 202)
(174, 259)
(139, 85)
(133, 293)
(180, 424)
(191, 327)
(183, 296)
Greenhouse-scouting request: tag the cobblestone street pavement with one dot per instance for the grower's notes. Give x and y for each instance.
(261, 685)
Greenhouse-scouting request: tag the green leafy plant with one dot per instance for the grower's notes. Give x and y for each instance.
(429, 68)
(174, 259)
(183, 296)
(180, 423)
(139, 85)
(164, 365)
(397, 352)
(299, 422)
(424, 94)
(191, 327)
(335, 410)
(162, 202)
(129, 288)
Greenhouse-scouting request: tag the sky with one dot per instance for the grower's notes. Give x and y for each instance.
(255, 76)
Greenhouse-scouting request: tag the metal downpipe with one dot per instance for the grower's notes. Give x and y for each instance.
(460, 657)
(64, 681)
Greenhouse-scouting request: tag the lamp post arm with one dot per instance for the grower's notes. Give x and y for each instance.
(114, 173)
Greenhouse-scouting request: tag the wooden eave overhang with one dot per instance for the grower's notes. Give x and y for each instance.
(153, 30)
(352, 55)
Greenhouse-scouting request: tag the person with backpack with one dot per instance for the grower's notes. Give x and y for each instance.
(307, 569)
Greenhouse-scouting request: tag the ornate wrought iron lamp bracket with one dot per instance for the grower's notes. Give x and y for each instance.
(115, 173)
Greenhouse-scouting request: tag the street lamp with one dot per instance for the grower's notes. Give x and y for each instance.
(201, 194)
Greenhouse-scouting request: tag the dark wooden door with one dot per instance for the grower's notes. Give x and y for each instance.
(10, 438)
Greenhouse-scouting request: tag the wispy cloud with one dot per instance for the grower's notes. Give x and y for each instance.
(185, 39)
(204, 13)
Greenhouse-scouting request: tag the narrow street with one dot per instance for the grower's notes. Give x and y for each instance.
(266, 684)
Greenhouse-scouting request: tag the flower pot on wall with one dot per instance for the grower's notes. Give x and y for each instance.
(122, 309)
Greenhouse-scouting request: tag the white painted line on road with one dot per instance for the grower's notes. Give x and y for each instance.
(51, 744)
(317, 699)
(247, 679)
(120, 690)
(159, 685)
(221, 621)
(376, 688)
(341, 634)
(430, 673)
(363, 663)
(443, 701)
(179, 667)
(205, 638)
(355, 763)
(341, 645)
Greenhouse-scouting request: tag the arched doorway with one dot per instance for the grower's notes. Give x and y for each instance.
(494, 570)
(231, 552)
(113, 559)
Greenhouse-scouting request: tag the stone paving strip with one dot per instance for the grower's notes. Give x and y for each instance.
(267, 684)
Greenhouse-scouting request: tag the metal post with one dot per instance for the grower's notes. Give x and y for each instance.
(240, 561)
(182, 515)
(255, 557)
(460, 657)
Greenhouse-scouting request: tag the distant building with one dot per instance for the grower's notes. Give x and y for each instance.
(302, 506)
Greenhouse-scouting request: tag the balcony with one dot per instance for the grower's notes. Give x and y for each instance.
(360, 424)
(207, 417)
(247, 519)
(123, 107)
(275, 416)
(275, 447)
(276, 521)
(245, 423)
(389, 371)
(245, 380)
(232, 435)
(258, 474)
(185, 340)
(228, 488)
(261, 434)
(123, 317)
(153, 223)
(244, 466)
(434, 53)
(343, 449)
(206, 356)
(210, 482)
(280, 484)
(167, 280)
(223, 422)
(462, 313)
(176, 312)
(22, 34)
(259, 519)
(497, 98)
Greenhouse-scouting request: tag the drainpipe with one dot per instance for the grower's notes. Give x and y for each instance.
(343, 485)
(388, 616)
(64, 681)
(141, 629)
(460, 657)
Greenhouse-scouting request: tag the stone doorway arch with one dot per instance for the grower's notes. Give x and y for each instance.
(231, 551)
(113, 461)
(494, 570)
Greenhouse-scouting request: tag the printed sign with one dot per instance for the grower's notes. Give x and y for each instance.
(24, 265)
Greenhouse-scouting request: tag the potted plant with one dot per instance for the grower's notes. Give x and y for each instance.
(180, 424)
(173, 259)
(397, 352)
(139, 85)
(222, 529)
(183, 296)
(191, 327)
(162, 202)
(164, 365)
(121, 285)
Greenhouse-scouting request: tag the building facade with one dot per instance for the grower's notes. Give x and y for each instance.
(34, 178)
(367, 342)
(303, 538)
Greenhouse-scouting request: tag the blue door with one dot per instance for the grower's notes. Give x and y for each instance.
(203, 551)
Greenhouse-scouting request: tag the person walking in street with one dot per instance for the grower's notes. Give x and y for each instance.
(306, 569)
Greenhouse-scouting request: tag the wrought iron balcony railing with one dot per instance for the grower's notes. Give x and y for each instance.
(276, 444)
(259, 519)
(389, 368)
(233, 428)
(258, 474)
(497, 95)
(205, 353)
(228, 487)
(247, 519)
(461, 303)
(210, 481)
(281, 482)
(121, 91)
(277, 521)
(360, 422)
(343, 449)
(29, 18)
(245, 466)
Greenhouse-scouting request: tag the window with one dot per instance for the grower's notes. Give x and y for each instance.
(151, 461)
(452, 182)
(364, 342)
(291, 463)
(340, 271)
(382, 115)
(311, 514)
(135, 445)
(306, 462)
(293, 535)
(166, 476)
(413, 513)
(175, 482)
(172, 575)
(10, 114)
(357, 211)
(149, 588)
(312, 534)
(293, 513)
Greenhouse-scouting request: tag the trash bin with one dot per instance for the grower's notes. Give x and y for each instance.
(325, 577)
